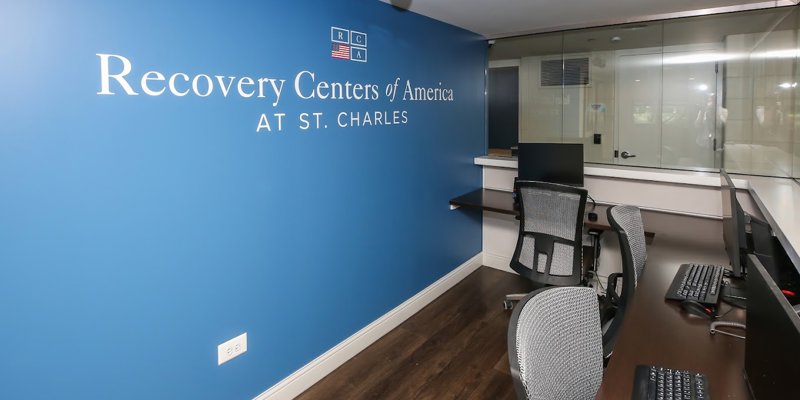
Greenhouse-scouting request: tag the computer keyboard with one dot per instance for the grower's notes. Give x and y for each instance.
(658, 383)
(697, 282)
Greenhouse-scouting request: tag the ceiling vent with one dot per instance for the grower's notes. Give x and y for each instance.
(568, 72)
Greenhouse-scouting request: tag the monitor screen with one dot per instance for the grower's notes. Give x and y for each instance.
(733, 229)
(551, 162)
(771, 350)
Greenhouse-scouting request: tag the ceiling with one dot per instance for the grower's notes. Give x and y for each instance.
(504, 18)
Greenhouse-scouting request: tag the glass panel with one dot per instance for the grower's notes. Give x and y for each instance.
(689, 114)
(692, 53)
(692, 93)
(772, 88)
(738, 101)
(639, 109)
(541, 89)
(593, 120)
(760, 89)
(795, 99)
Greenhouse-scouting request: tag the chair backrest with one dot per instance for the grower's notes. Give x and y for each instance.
(627, 223)
(549, 246)
(554, 344)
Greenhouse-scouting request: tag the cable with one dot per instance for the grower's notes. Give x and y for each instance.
(714, 328)
(596, 276)
(726, 313)
(594, 203)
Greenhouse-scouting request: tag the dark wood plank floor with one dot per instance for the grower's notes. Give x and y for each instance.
(455, 348)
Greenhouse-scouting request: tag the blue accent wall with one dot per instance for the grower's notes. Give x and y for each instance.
(139, 232)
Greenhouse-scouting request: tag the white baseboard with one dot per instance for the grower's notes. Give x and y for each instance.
(302, 379)
(497, 261)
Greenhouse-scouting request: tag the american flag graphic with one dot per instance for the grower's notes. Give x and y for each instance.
(340, 51)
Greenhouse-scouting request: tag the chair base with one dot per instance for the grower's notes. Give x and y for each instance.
(508, 303)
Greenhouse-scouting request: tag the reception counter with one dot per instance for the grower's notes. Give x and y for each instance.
(673, 202)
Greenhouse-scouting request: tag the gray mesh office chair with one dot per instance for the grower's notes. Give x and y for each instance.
(549, 245)
(550, 242)
(554, 344)
(627, 223)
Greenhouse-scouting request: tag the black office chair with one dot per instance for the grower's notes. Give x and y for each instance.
(627, 223)
(554, 344)
(550, 243)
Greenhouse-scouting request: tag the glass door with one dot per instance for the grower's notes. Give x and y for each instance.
(638, 88)
(667, 109)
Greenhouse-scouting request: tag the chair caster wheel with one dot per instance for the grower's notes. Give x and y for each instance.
(508, 304)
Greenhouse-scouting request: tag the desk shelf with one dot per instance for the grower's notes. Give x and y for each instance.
(486, 199)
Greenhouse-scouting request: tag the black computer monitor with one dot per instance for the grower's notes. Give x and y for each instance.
(771, 350)
(551, 162)
(733, 225)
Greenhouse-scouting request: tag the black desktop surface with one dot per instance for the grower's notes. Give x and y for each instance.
(772, 346)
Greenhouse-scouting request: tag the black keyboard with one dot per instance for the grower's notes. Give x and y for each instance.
(697, 282)
(657, 383)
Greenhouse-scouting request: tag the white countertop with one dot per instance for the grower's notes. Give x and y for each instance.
(625, 172)
(777, 198)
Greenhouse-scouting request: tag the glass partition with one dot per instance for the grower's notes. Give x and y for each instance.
(764, 143)
(541, 89)
(694, 93)
(795, 107)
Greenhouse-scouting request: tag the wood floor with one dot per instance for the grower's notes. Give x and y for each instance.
(455, 348)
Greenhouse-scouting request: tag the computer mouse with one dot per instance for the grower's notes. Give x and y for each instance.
(695, 308)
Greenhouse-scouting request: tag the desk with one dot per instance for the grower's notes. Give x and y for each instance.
(502, 202)
(656, 332)
(487, 199)
(778, 199)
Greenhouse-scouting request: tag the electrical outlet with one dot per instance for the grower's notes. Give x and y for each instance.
(232, 348)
